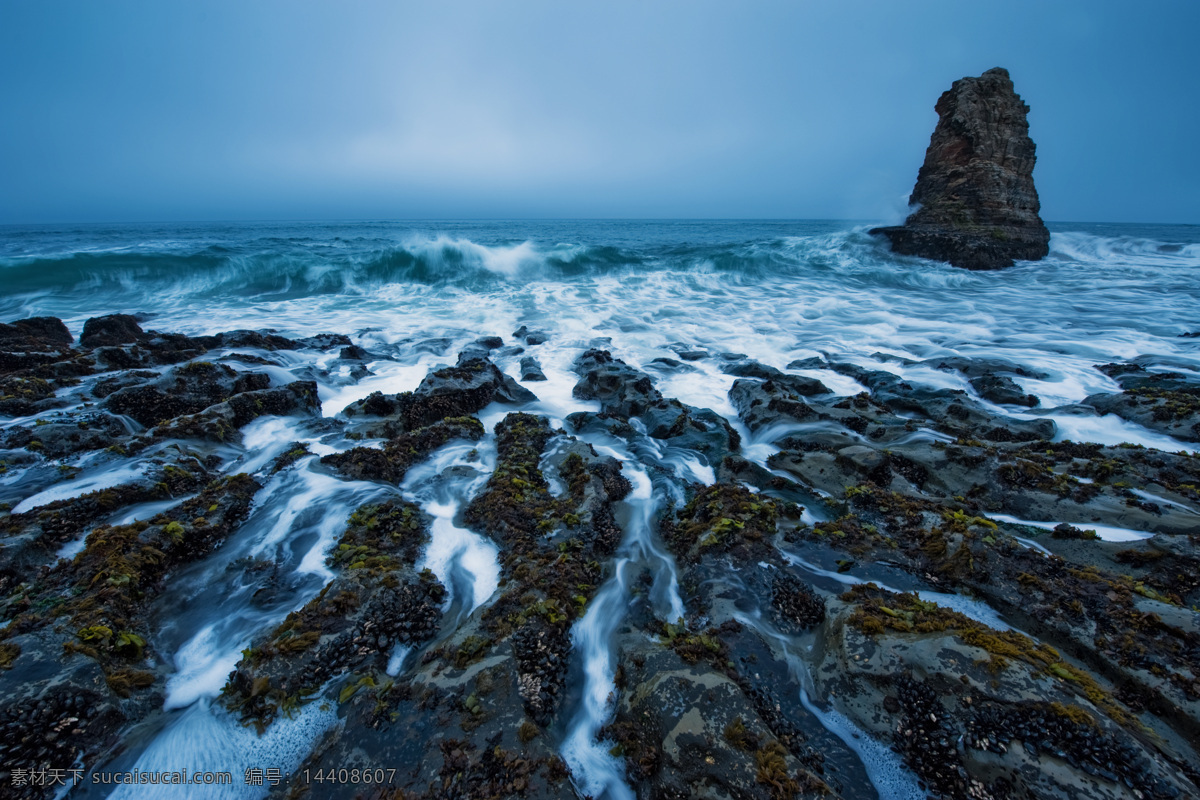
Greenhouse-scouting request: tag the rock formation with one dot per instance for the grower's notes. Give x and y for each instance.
(977, 205)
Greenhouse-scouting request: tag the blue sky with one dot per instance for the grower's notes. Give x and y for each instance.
(294, 109)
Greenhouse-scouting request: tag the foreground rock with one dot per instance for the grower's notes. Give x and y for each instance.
(978, 207)
(474, 715)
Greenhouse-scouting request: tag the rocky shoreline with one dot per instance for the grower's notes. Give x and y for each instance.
(878, 565)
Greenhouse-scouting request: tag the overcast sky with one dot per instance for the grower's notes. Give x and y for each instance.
(291, 109)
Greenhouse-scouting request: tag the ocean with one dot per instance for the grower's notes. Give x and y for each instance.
(414, 294)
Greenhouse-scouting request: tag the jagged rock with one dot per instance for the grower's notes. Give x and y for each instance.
(1003, 390)
(626, 393)
(1174, 412)
(978, 207)
(393, 461)
(35, 332)
(219, 422)
(185, 390)
(33, 342)
(455, 391)
(622, 390)
(377, 600)
(114, 329)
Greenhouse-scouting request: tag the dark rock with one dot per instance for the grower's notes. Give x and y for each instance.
(530, 337)
(622, 390)
(113, 329)
(1000, 389)
(1173, 412)
(323, 341)
(33, 342)
(489, 342)
(625, 392)
(980, 367)
(793, 384)
(184, 390)
(400, 453)
(218, 422)
(531, 370)
(67, 434)
(265, 340)
(456, 391)
(36, 331)
(670, 366)
(978, 207)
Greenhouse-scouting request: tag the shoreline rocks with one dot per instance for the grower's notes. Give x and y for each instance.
(837, 553)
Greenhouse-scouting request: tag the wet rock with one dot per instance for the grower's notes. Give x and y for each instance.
(529, 337)
(1002, 390)
(531, 370)
(686, 731)
(398, 454)
(26, 396)
(84, 665)
(981, 367)
(1173, 412)
(625, 392)
(622, 390)
(455, 391)
(33, 342)
(35, 332)
(496, 684)
(267, 340)
(793, 384)
(959, 697)
(31, 538)
(322, 341)
(114, 329)
(377, 601)
(220, 422)
(949, 410)
(188, 389)
(670, 366)
(978, 207)
(69, 434)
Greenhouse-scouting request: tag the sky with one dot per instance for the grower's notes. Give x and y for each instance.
(383, 109)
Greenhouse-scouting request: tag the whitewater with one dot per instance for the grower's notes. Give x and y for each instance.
(654, 294)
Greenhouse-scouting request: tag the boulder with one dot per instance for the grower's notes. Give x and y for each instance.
(110, 330)
(977, 205)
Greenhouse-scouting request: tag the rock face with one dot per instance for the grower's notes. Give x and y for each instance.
(978, 207)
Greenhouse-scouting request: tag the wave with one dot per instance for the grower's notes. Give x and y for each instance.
(282, 267)
(1089, 248)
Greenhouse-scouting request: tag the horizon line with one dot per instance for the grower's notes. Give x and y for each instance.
(398, 220)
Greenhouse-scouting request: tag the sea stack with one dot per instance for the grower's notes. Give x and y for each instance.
(976, 203)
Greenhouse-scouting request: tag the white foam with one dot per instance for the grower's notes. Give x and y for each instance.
(202, 667)
(1110, 430)
(1105, 532)
(1032, 545)
(390, 378)
(206, 739)
(1154, 498)
(396, 659)
(90, 483)
(450, 544)
(887, 772)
